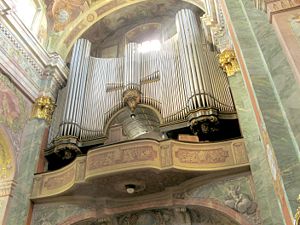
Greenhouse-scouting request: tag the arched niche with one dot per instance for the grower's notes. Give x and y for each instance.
(204, 212)
(143, 123)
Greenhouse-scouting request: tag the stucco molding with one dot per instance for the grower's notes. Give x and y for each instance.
(24, 59)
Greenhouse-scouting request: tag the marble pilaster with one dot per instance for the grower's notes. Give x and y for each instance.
(274, 93)
(19, 205)
(266, 197)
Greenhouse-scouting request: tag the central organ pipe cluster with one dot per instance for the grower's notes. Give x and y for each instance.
(181, 78)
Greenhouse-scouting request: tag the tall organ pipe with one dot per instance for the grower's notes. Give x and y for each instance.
(132, 66)
(76, 89)
(196, 80)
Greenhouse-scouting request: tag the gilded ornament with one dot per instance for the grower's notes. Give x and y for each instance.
(228, 62)
(132, 98)
(297, 216)
(5, 163)
(43, 108)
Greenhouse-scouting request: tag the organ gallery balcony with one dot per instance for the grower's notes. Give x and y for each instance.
(141, 167)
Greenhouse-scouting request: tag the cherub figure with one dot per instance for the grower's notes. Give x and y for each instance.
(239, 201)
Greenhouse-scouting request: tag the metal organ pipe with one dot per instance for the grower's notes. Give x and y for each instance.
(185, 59)
(76, 88)
(193, 59)
(180, 78)
(196, 47)
(132, 66)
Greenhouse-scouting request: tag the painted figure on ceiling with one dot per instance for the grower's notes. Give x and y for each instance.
(64, 11)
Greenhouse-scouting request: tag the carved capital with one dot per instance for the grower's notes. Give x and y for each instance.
(43, 108)
(297, 216)
(54, 77)
(228, 62)
(6, 188)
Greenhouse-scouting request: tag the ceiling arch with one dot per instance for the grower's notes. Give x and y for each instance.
(62, 41)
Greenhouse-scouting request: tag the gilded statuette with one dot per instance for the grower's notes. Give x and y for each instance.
(43, 108)
(228, 62)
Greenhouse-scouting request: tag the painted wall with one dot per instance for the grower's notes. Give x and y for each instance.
(20, 144)
(14, 113)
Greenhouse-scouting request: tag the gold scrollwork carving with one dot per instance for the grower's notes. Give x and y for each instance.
(297, 216)
(228, 62)
(43, 108)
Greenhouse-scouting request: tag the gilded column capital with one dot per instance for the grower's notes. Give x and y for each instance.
(297, 216)
(43, 108)
(228, 62)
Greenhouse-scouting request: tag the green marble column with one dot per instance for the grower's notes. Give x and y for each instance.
(277, 94)
(19, 205)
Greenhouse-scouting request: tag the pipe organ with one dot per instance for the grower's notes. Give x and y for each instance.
(182, 81)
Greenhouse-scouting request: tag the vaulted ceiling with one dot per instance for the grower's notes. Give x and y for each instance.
(116, 24)
(69, 19)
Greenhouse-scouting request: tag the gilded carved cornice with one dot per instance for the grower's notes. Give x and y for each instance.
(141, 155)
(228, 62)
(43, 108)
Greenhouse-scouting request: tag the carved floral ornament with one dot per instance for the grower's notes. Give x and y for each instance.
(228, 62)
(43, 108)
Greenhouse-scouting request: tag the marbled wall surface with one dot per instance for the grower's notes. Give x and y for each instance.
(233, 193)
(276, 92)
(229, 191)
(31, 144)
(14, 112)
(261, 173)
(54, 213)
(25, 137)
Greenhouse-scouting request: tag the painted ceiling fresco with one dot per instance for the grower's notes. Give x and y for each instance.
(69, 19)
(62, 12)
(126, 18)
